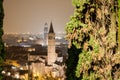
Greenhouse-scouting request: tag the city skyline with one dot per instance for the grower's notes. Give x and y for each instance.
(22, 16)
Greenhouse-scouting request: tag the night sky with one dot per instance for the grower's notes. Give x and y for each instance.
(22, 16)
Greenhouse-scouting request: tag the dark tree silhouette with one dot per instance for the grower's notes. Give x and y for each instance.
(1, 33)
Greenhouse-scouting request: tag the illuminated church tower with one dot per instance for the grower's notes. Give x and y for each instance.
(46, 34)
(51, 46)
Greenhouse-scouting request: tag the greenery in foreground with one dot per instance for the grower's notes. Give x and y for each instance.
(93, 30)
(1, 33)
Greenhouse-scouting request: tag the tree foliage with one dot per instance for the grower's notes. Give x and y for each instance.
(93, 29)
(119, 24)
(1, 33)
(71, 63)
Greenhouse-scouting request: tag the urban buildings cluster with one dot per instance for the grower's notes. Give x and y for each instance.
(31, 57)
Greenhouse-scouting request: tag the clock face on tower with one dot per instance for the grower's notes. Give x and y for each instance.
(51, 37)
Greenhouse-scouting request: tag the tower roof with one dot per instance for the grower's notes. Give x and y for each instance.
(51, 28)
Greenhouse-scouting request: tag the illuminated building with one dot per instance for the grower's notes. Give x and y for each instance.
(45, 34)
(48, 61)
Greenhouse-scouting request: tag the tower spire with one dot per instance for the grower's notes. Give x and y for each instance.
(51, 28)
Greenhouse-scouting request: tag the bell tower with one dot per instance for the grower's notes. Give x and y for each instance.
(51, 56)
(45, 34)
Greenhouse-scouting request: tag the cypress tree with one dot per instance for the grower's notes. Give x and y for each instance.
(93, 30)
(119, 25)
(71, 63)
